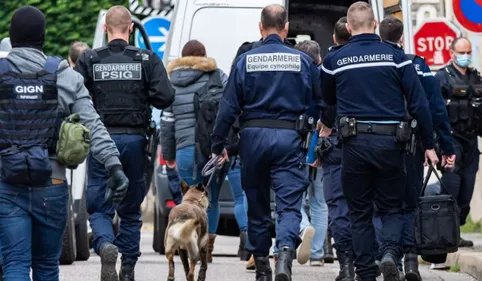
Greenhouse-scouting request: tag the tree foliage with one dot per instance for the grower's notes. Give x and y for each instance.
(67, 20)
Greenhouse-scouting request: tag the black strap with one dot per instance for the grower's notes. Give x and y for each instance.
(377, 129)
(269, 123)
(431, 170)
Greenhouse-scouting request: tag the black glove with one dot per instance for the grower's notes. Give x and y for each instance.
(117, 185)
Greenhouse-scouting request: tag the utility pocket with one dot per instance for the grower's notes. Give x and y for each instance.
(25, 165)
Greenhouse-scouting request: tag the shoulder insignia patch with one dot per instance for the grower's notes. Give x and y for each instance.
(396, 45)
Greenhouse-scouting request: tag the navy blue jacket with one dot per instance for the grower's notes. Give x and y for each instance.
(437, 105)
(370, 80)
(273, 81)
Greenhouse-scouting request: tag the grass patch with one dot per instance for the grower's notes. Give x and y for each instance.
(471, 226)
(455, 268)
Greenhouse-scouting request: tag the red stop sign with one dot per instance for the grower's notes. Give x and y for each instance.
(432, 41)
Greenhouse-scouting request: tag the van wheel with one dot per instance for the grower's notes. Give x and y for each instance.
(160, 226)
(69, 251)
(81, 232)
(155, 240)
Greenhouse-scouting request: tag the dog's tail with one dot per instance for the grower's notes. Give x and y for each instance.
(183, 230)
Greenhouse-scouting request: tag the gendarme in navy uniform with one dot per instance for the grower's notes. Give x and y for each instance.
(271, 85)
(124, 82)
(369, 81)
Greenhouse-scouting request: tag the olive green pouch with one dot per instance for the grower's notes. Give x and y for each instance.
(74, 142)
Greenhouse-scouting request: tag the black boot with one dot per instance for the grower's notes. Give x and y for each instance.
(284, 263)
(1, 274)
(347, 269)
(243, 254)
(328, 249)
(108, 257)
(389, 268)
(465, 243)
(126, 272)
(263, 270)
(411, 267)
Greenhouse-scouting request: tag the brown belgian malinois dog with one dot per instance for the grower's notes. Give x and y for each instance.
(187, 232)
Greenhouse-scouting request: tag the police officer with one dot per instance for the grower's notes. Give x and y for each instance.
(391, 29)
(33, 215)
(462, 91)
(123, 81)
(267, 86)
(76, 51)
(372, 79)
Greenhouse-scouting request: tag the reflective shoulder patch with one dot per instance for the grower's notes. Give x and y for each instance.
(273, 62)
(117, 71)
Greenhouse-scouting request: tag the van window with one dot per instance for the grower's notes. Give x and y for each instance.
(223, 30)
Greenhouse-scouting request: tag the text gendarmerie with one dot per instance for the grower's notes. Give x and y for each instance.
(117, 71)
(365, 58)
(273, 62)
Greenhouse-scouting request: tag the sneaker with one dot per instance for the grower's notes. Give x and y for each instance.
(317, 262)
(304, 250)
(440, 266)
(251, 265)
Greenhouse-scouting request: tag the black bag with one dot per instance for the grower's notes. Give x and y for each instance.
(206, 103)
(437, 223)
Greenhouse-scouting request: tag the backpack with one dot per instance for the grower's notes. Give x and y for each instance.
(206, 104)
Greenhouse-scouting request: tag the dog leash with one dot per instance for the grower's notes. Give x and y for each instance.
(210, 170)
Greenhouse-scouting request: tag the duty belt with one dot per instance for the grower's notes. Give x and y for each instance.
(126, 131)
(269, 123)
(377, 129)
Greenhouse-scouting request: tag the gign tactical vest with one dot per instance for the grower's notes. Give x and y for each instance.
(29, 122)
(119, 92)
(463, 103)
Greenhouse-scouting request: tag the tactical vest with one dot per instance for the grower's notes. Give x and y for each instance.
(119, 92)
(29, 112)
(462, 102)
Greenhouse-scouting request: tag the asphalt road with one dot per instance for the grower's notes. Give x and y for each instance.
(152, 266)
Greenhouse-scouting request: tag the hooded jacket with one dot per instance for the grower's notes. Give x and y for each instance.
(187, 75)
(73, 97)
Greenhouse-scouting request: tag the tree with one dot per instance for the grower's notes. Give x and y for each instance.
(67, 20)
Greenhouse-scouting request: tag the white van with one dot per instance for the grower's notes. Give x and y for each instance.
(223, 25)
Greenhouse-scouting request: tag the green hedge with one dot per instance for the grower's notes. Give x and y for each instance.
(67, 20)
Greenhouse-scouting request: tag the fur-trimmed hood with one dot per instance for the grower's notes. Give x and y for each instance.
(187, 70)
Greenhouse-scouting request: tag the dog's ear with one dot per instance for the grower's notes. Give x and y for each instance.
(184, 187)
(200, 187)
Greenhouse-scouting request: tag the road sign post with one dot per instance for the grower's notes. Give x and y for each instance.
(432, 40)
(157, 29)
(469, 14)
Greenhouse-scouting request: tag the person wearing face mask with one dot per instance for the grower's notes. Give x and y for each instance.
(124, 83)
(368, 81)
(461, 89)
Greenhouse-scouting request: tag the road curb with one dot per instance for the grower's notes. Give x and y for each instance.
(469, 262)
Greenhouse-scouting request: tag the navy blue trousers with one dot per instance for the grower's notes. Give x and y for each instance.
(338, 218)
(272, 157)
(460, 182)
(373, 172)
(133, 158)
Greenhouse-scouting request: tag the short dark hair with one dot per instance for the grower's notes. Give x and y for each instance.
(77, 49)
(193, 48)
(391, 29)
(274, 17)
(311, 48)
(456, 40)
(341, 33)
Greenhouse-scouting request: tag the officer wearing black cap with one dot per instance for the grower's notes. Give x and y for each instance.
(36, 93)
(271, 87)
(391, 29)
(124, 82)
(369, 81)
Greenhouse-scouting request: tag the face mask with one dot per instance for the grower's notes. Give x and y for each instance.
(463, 60)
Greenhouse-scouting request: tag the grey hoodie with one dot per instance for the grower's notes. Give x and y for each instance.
(73, 98)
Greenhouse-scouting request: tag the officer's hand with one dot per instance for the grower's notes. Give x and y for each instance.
(448, 161)
(431, 155)
(316, 164)
(117, 185)
(324, 131)
(171, 164)
(223, 159)
(319, 125)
